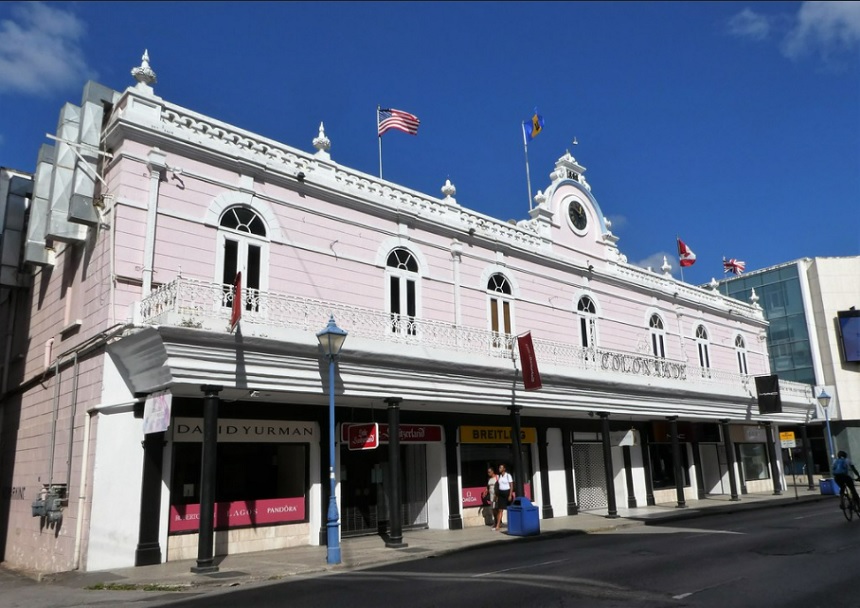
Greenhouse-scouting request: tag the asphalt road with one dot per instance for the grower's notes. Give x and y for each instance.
(803, 556)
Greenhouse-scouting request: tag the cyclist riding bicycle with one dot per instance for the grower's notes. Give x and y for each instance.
(842, 468)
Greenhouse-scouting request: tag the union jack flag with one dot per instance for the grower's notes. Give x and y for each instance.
(734, 266)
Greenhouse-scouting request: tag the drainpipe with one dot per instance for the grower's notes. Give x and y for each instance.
(57, 380)
(82, 489)
(156, 162)
(72, 423)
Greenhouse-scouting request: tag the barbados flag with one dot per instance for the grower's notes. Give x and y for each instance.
(531, 128)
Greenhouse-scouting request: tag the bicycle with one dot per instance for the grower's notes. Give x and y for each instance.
(847, 504)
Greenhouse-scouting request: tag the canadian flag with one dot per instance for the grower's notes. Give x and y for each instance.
(686, 255)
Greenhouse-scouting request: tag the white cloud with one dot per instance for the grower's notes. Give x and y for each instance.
(655, 262)
(40, 50)
(824, 28)
(828, 28)
(749, 24)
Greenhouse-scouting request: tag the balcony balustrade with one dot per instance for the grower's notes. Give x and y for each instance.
(194, 303)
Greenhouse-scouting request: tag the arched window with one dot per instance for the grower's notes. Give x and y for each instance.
(402, 272)
(587, 322)
(703, 348)
(741, 351)
(657, 336)
(500, 301)
(243, 247)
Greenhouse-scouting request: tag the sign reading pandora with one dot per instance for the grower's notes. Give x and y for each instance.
(247, 431)
(186, 518)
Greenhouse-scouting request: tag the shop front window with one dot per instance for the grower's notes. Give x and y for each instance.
(663, 466)
(256, 483)
(753, 458)
(475, 459)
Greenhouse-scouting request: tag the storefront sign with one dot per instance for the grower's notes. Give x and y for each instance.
(156, 412)
(409, 433)
(786, 439)
(186, 518)
(624, 438)
(495, 434)
(643, 366)
(247, 431)
(363, 436)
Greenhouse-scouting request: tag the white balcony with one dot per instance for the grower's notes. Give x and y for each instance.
(198, 304)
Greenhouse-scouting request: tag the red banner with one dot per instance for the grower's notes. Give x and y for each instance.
(531, 375)
(236, 313)
(409, 433)
(186, 518)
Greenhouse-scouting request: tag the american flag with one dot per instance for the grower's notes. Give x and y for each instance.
(734, 266)
(389, 118)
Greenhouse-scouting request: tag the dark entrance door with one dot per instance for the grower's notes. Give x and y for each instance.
(365, 480)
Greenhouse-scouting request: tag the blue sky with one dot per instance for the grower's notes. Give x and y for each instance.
(735, 126)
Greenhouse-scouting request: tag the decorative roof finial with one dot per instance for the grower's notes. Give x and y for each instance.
(713, 284)
(448, 189)
(143, 74)
(666, 267)
(321, 142)
(754, 297)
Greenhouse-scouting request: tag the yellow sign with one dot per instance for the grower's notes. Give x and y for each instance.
(495, 434)
(786, 436)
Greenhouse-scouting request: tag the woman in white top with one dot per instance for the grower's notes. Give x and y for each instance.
(504, 494)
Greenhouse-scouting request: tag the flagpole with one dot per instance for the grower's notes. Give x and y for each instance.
(678, 247)
(380, 142)
(528, 178)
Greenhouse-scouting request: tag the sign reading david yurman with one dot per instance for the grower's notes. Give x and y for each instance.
(234, 430)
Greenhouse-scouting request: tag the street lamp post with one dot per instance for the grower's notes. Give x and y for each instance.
(824, 402)
(331, 339)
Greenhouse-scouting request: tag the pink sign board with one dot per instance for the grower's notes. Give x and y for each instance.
(186, 518)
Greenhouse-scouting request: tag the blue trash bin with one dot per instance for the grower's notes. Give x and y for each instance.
(829, 486)
(523, 518)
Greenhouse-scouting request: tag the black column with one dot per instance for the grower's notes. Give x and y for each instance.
(774, 465)
(206, 536)
(807, 455)
(543, 458)
(628, 473)
(646, 461)
(676, 457)
(572, 507)
(607, 466)
(730, 458)
(148, 550)
(395, 498)
(517, 447)
(455, 500)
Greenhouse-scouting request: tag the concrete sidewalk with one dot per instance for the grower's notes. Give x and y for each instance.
(367, 551)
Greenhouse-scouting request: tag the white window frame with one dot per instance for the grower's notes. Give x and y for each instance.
(658, 336)
(498, 300)
(703, 348)
(741, 351)
(587, 323)
(243, 240)
(403, 276)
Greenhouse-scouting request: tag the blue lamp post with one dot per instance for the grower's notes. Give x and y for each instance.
(331, 339)
(824, 402)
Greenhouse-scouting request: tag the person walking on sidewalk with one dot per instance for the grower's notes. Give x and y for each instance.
(504, 494)
(842, 468)
(488, 497)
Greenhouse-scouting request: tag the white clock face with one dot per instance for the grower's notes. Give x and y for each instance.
(577, 215)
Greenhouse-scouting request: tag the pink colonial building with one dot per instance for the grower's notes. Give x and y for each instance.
(138, 426)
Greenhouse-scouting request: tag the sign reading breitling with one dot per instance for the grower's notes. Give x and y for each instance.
(494, 434)
(231, 430)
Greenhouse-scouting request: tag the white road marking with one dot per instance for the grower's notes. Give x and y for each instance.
(557, 561)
